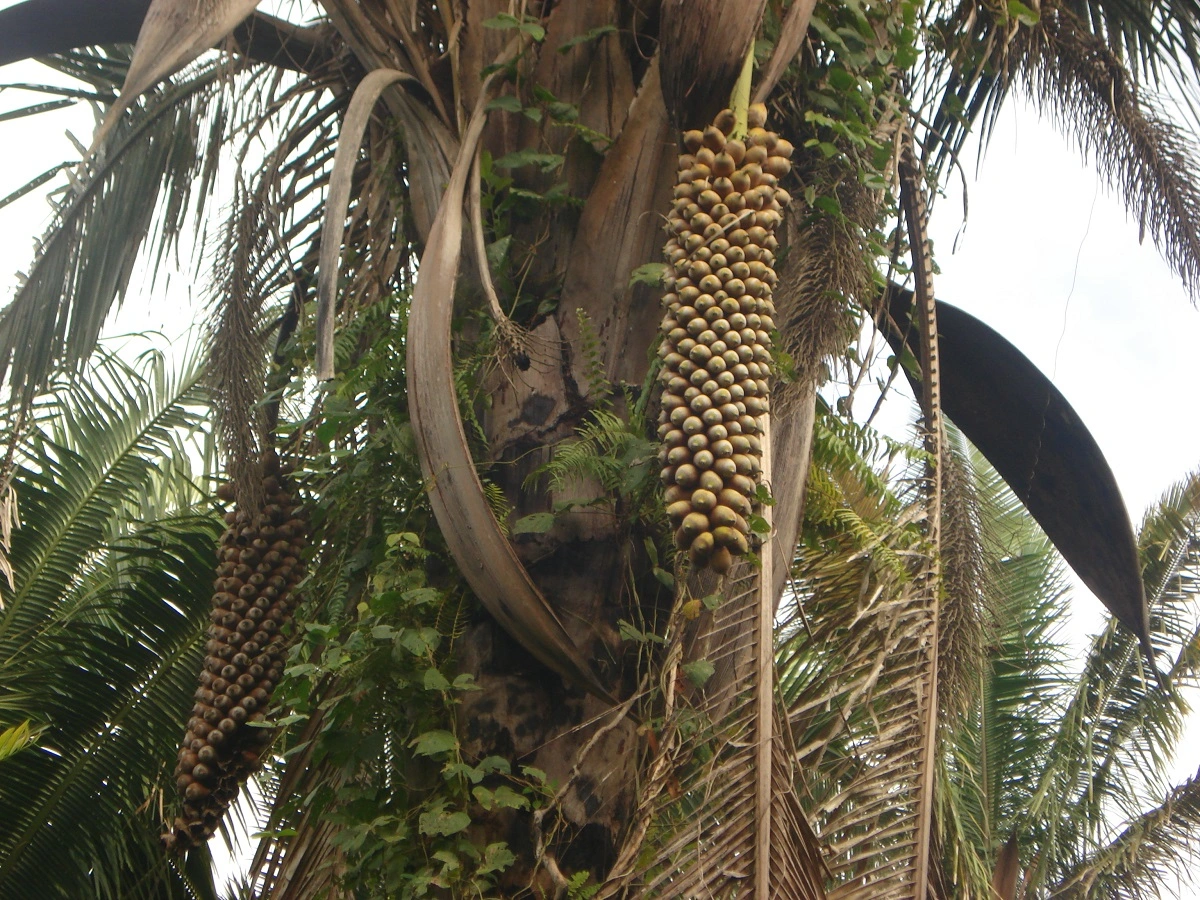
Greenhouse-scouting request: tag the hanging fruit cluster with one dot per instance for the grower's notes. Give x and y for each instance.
(716, 349)
(259, 564)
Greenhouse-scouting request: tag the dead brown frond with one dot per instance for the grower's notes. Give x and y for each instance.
(249, 271)
(699, 808)
(791, 38)
(511, 343)
(483, 553)
(857, 682)
(964, 606)
(333, 229)
(254, 271)
(173, 34)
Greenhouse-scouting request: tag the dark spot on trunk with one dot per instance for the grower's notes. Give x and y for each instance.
(537, 409)
(593, 849)
(585, 787)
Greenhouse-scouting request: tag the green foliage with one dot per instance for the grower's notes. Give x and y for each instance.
(849, 496)
(370, 695)
(377, 684)
(102, 633)
(610, 451)
(596, 384)
(17, 737)
(849, 94)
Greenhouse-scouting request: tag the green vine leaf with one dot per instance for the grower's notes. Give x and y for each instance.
(594, 34)
(527, 24)
(546, 162)
(651, 273)
(496, 858)
(435, 681)
(1022, 13)
(698, 672)
(537, 523)
(432, 743)
(507, 103)
(440, 822)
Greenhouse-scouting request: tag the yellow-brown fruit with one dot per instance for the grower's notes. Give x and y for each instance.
(259, 566)
(716, 342)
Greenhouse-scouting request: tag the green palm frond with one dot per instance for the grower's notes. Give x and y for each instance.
(1049, 759)
(1148, 853)
(102, 634)
(1120, 725)
(995, 749)
(16, 738)
(157, 176)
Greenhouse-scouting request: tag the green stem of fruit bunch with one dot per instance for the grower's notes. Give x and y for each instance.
(739, 100)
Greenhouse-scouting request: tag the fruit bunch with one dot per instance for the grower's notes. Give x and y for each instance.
(716, 349)
(259, 564)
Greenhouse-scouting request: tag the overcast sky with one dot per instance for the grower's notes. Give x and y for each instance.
(1046, 257)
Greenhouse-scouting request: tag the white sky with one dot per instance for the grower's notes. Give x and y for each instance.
(1047, 258)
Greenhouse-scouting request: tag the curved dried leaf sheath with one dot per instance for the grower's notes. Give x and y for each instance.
(1039, 445)
(791, 38)
(338, 200)
(173, 34)
(481, 550)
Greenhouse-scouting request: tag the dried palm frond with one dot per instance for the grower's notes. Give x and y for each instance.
(855, 660)
(719, 805)
(483, 553)
(916, 216)
(428, 134)
(173, 34)
(254, 270)
(791, 38)
(357, 117)
(1158, 41)
(857, 686)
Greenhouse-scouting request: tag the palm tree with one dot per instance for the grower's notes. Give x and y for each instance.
(1053, 769)
(101, 630)
(609, 699)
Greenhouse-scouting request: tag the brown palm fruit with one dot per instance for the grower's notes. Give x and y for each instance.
(259, 563)
(716, 347)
